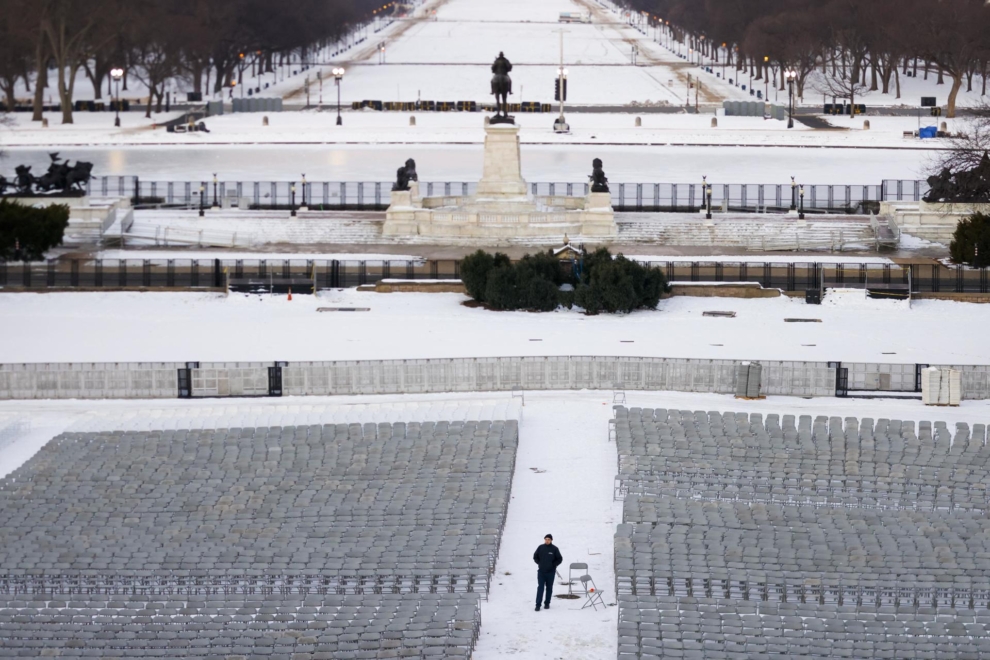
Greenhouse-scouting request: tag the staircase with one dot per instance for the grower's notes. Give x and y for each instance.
(751, 232)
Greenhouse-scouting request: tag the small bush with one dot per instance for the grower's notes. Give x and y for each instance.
(35, 230)
(566, 298)
(502, 291)
(971, 241)
(543, 265)
(619, 285)
(474, 271)
(540, 295)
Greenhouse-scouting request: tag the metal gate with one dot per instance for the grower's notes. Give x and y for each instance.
(185, 383)
(275, 379)
(841, 379)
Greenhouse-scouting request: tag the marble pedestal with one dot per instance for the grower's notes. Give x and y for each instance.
(502, 173)
(932, 221)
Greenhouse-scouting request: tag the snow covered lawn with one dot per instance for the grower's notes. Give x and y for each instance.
(112, 327)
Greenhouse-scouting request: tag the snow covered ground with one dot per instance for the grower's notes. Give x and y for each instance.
(144, 327)
(374, 127)
(463, 162)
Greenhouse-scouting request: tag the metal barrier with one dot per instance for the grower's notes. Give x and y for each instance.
(214, 273)
(127, 380)
(626, 196)
(903, 190)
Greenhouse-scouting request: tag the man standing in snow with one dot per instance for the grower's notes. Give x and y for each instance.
(547, 558)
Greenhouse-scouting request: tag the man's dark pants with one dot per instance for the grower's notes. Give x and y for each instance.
(544, 579)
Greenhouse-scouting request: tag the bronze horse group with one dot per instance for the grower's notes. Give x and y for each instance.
(60, 178)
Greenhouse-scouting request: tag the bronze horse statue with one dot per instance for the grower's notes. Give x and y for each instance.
(501, 89)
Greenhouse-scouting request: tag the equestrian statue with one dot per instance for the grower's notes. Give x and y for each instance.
(501, 89)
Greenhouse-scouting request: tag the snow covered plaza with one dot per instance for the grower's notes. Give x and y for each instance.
(252, 406)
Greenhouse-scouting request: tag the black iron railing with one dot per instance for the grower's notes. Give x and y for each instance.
(216, 273)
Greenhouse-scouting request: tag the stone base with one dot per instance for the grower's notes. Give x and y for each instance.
(502, 175)
(460, 224)
(931, 221)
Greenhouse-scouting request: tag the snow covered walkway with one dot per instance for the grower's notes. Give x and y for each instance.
(562, 486)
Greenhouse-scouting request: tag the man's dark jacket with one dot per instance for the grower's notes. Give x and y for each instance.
(548, 557)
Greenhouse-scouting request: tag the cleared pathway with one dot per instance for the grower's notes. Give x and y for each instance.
(565, 468)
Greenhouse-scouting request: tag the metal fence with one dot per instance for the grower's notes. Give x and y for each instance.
(904, 190)
(215, 273)
(376, 195)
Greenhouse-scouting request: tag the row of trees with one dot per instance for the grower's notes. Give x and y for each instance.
(846, 45)
(47, 43)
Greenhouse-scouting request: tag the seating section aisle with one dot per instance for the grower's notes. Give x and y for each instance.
(342, 541)
(823, 537)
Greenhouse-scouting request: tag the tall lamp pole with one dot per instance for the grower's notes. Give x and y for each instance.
(560, 126)
(338, 75)
(791, 77)
(117, 74)
(216, 201)
(766, 77)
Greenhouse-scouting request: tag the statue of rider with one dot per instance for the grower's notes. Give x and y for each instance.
(501, 67)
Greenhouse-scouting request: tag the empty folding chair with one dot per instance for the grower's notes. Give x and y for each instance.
(576, 566)
(591, 593)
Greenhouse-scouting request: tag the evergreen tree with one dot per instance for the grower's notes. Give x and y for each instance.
(27, 233)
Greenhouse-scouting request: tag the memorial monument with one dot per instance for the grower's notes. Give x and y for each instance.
(502, 207)
(952, 197)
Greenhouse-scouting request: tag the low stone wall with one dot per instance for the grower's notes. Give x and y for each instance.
(958, 297)
(728, 290)
(419, 286)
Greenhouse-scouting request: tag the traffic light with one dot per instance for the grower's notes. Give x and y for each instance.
(556, 89)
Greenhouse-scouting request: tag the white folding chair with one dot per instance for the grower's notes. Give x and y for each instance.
(591, 593)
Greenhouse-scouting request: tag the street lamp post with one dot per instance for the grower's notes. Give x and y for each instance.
(117, 74)
(708, 193)
(704, 191)
(801, 212)
(793, 194)
(766, 77)
(303, 207)
(240, 74)
(293, 200)
(791, 79)
(560, 125)
(338, 74)
(216, 201)
(202, 198)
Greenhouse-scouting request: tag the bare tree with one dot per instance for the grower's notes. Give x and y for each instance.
(64, 26)
(15, 50)
(839, 86)
(968, 144)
